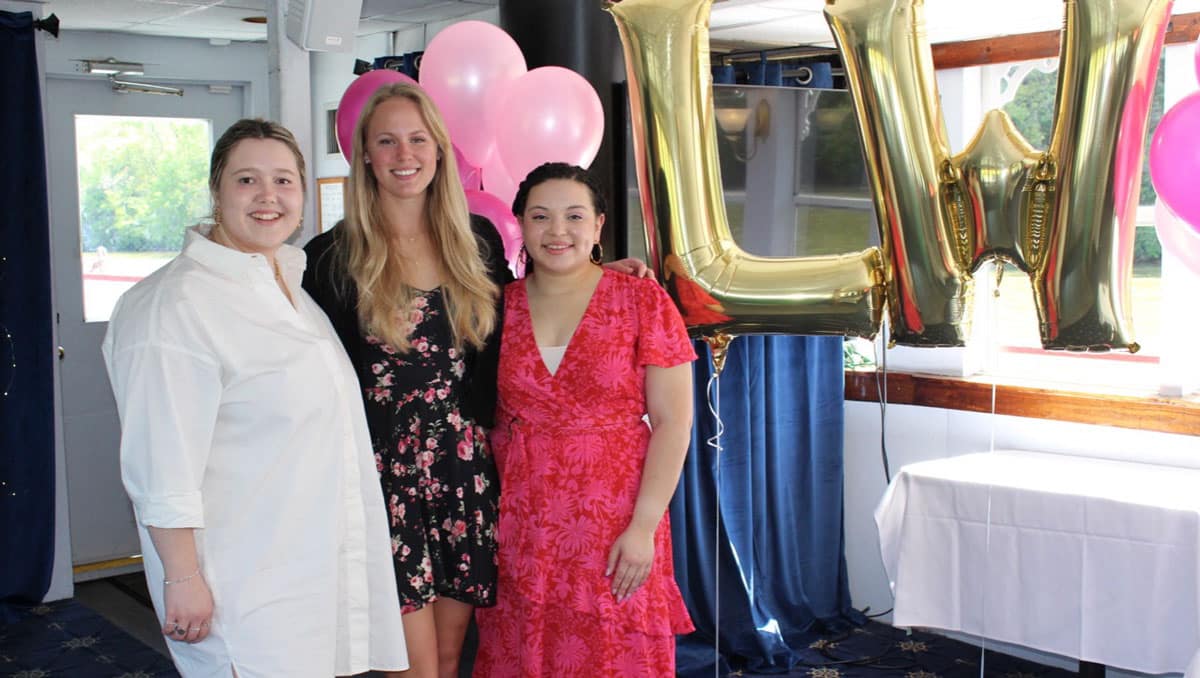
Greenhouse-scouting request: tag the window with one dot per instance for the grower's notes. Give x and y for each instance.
(1005, 342)
(142, 181)
(1007, 321)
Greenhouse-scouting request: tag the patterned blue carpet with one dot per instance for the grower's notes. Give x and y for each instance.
(877, 650)
(67, 640)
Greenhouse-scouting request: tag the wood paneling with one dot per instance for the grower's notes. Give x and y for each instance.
(1168, 415)
(1183, 28)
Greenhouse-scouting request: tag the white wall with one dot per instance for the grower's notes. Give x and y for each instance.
(169, 60)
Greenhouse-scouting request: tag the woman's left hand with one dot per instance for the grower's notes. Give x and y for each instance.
(629, 561)
(634, 267)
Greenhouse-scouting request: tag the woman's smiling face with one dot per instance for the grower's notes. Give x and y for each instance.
(402, 152)
(560, 225)
(260, 199)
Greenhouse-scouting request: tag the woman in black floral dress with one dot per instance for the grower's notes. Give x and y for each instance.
(411, 283)
(439, 482)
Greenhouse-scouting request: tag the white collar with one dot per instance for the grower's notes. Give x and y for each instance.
(235, 264)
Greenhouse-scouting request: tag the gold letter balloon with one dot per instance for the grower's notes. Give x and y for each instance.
(1064, 215)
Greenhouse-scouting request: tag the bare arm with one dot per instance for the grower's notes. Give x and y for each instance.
(669, 401)
(187, 601)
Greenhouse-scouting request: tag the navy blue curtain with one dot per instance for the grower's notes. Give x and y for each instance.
(781, 547)
(26, 342)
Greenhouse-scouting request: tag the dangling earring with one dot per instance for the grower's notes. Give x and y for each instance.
(216, 216)
(523, 257)
(597, 254)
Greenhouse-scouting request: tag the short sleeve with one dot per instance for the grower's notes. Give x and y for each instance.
(662, 337)
(168, 398)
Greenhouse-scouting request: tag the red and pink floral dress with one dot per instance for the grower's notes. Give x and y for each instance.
(570, 448)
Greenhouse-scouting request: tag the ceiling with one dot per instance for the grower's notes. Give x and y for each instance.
(735, 23)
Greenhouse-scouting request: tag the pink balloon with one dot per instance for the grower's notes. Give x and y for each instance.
(488, 205)
(1175, 159)
(355, 98)
(497, 181)
(1176, 237)
(533, 128)
(470, 176)
(461, 68)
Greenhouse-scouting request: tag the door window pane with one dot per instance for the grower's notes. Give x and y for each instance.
(142, 182)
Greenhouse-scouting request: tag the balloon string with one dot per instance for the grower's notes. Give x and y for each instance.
(993, 354)
(714, 407)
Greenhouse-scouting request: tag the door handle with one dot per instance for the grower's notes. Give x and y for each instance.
(62, 353)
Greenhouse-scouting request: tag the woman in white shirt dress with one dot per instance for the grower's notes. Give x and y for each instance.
(244, 445)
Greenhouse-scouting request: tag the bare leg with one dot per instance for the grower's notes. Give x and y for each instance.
(420, 634)
(451, 618)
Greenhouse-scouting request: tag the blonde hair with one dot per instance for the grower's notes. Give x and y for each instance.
(384, 299)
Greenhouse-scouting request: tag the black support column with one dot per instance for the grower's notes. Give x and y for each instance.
(579, 35)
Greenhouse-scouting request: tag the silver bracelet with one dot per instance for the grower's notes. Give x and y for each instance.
(168, 582)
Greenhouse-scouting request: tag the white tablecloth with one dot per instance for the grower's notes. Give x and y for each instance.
(1088, 558)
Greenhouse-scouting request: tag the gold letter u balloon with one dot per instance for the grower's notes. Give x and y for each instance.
(1064, 215)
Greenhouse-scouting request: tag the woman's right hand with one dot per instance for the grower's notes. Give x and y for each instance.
(189, 608)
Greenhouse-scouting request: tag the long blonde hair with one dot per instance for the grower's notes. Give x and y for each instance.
(384, 300)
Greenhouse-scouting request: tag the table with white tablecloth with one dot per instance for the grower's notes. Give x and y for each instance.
(1088, 558)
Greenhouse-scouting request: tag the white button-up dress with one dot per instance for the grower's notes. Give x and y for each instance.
(241, 418)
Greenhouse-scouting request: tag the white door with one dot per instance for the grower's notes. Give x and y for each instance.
(85, 122)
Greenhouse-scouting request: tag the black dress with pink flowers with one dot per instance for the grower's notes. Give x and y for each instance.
(439, 482)
(425, 410)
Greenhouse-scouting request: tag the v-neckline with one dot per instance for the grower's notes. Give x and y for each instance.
(569, 349)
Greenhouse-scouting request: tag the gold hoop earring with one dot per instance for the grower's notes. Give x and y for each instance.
(597, 254)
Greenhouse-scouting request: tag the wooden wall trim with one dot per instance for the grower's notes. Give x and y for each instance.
(1183, 28)
(1167, 415)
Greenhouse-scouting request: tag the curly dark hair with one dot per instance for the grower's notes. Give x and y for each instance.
(558, 170)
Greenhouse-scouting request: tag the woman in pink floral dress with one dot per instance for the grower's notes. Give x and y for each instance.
(586, 585)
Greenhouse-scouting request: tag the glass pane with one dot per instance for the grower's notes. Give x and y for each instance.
(793, 156)
(142, 182)
(792, 169)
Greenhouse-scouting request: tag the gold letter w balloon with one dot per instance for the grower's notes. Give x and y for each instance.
(1064, 215)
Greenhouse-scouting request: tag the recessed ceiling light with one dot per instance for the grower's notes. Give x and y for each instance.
(255, 19)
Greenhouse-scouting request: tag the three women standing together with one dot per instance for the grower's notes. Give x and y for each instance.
(413, 287)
